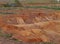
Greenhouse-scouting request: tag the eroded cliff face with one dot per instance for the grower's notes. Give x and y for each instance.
(33, 27)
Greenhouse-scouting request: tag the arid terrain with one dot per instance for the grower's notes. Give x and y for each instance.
(30, 25)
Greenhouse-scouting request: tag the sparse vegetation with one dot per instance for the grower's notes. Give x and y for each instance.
(16, 4)
(5, 35)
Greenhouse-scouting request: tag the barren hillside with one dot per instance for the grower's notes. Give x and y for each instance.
(32, 25)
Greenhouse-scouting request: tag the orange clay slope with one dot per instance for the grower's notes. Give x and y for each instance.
(40, 27)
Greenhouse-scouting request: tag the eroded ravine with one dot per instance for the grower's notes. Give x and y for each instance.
(41, 27)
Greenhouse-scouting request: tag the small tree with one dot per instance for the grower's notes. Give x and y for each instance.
(6, 5)
(18, 3)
